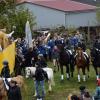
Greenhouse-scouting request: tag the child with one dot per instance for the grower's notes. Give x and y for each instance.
(5, 70)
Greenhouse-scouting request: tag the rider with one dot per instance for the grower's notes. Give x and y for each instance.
(13, 91)
(5, 70)
(97, 43)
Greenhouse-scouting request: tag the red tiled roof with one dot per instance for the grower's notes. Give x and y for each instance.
(63, 5)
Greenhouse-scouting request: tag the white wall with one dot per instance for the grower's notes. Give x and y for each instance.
(81, 19)
(50, 18)
(46, 17)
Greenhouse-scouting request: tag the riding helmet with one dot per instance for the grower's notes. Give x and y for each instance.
(5, 62)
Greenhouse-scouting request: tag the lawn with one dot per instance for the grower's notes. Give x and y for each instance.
(62, 89)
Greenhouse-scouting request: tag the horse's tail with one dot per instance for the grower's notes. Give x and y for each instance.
(21, 82)
(24, 86)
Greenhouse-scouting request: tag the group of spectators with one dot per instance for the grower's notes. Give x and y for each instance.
(46, 46)
(85, 95)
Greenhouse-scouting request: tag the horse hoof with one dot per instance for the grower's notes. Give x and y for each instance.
(79, 81)
(68, 79)
(72, 76)
(49, 91)
(34, 95)
(54, 71)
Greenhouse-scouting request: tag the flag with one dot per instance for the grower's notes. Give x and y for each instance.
(28, 35)
(9, 55)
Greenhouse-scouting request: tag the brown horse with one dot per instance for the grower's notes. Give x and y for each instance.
(3, 91)
(81, 63)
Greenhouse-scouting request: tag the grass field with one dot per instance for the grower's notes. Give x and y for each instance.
(62, 89)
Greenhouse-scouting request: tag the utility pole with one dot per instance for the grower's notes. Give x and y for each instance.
(89, 40)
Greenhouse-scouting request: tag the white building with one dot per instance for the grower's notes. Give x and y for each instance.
(54, 13)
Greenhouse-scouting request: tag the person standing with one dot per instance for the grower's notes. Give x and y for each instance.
(13, 91)
(55, 57)
(97, 92)
(40, 75)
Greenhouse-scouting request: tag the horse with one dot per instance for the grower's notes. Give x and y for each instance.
(30, 72)
(65, 59)
(3, 91)
(81, 63)
(95, 59)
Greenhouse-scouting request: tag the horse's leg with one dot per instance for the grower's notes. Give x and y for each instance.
(62, 74)
(84, 75)
(54, 64)
(88, 69)
(79, 78)
(35, 94)
(57, 64)
(1, 98)
(72, 68)
(67, 72)
(50, 88)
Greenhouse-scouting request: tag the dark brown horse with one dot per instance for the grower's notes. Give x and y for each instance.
(3, 93)
(95, 58)
(81, 63)
(65, 60)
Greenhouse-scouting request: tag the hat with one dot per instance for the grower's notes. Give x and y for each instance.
(5, 62)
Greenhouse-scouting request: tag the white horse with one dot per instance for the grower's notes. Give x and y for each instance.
(30, 71)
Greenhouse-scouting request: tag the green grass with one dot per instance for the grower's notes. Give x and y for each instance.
(62, 89)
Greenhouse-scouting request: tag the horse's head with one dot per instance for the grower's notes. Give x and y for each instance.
(28, 72)
(60, 47)
(79, 53)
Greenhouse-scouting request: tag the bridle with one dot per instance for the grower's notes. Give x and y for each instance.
(30, 73)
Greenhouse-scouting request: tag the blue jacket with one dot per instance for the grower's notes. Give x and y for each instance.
(41, 50)
(51, 43)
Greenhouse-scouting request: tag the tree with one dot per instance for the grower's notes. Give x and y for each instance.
(11, 17)
(19, 19)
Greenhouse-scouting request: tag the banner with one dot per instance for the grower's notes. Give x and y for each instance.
(9, 55)
(28, 34)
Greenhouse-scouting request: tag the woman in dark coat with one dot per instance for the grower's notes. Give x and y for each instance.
(13, 91)
(29, 57)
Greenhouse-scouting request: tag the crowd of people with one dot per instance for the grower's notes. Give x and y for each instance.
(44, 49)
(85, 95)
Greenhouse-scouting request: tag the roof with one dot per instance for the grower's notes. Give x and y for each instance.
(63, 5)
(90, 2)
